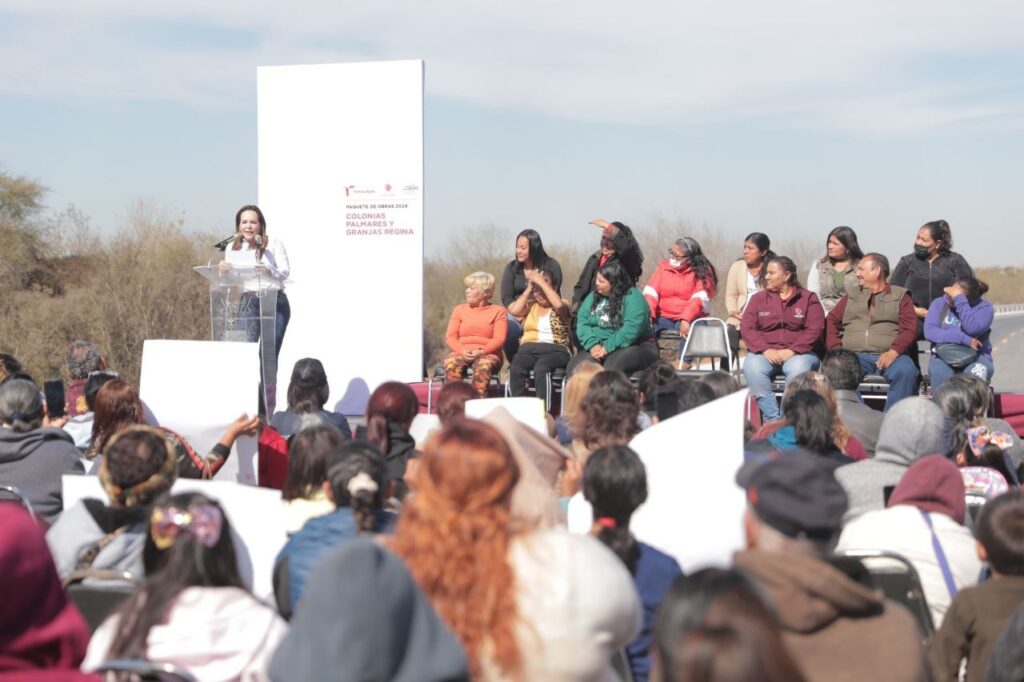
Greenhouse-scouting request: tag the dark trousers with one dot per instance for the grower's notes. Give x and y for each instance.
(250, 311)
(543, 359)
(902, 376)
(734, 345)
(628, 360)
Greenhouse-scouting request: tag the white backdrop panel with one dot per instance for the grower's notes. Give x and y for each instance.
(340, 182)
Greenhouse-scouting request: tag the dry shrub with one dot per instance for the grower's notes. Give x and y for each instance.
(144, 288)
(61, 281)
(116, 292)
(1006, 285)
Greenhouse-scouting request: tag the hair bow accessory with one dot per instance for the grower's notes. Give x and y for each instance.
(202, 521)
(980, 436)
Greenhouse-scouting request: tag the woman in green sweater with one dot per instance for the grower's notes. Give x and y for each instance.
(614, 324)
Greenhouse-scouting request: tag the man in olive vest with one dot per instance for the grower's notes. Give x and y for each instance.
(878, 323)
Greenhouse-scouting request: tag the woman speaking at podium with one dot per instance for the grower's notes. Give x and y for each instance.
(251, 248)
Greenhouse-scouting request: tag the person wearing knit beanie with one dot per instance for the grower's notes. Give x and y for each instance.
(932, 484)
(929, 496)
(138, 465)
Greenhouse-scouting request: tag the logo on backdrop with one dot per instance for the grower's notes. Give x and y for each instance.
(383, 190)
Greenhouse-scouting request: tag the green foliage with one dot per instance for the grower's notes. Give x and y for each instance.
(22, 264)
(20, 198)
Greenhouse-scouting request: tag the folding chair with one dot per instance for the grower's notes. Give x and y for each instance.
(974, 505)
(708, 339)
(438, 375)
(148, 670)
(554, 387)
(98, 592)
(15, 494)
(874, 388)
(897, 578)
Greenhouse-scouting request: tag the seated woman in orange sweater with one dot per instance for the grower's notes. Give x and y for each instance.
(476, 333)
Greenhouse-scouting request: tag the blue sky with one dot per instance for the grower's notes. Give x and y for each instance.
(786, 117)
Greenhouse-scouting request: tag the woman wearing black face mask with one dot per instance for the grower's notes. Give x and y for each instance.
(931, 268)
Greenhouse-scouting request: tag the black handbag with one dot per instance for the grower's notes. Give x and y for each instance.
(956, 355)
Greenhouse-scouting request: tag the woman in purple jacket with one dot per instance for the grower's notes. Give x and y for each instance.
(960, 317)
(782, 326)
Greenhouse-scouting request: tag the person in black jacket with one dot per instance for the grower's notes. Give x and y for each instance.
(389, 414)
(617, 243)
(308, 392)
(530, 257)
(932, 267)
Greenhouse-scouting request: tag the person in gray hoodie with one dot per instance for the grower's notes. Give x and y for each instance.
(33, 457)
(138, 465)
(911, 429)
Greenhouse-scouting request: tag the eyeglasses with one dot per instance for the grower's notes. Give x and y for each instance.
(673, 254)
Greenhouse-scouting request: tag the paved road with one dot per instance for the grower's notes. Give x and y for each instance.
(1008, 353)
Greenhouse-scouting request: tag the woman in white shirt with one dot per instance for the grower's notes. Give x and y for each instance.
(745, 278)
(253, 249)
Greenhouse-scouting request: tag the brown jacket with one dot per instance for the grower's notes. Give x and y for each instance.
(971, 627)
(837, 629)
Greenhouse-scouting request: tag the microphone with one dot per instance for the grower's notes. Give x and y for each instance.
(224, 242)
(259, 241)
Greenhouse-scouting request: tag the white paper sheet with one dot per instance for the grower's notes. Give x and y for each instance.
(197, 388)
(255, 515)
(422, 426)
(694, 509)
(529, 411)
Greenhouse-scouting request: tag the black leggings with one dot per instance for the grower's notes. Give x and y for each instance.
(628, 360)
(543, 359)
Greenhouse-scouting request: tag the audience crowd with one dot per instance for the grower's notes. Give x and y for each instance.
(449, 557)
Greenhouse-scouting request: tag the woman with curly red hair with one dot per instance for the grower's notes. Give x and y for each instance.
(493, 584)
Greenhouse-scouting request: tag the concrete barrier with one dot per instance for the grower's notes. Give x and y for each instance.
(1009, 309)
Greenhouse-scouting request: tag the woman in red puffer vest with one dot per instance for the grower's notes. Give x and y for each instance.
(681, 288)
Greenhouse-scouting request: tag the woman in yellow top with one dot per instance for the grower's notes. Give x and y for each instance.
(546, 341)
